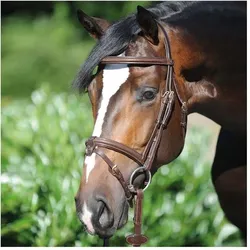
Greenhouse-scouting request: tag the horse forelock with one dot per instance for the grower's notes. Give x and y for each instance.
(116, 39)
(118, 36)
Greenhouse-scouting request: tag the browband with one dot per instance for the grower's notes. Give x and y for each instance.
(137, 60)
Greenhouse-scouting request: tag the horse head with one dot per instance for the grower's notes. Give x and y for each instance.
(126, 102)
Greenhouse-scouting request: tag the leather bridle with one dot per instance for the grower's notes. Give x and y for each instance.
(146, 159)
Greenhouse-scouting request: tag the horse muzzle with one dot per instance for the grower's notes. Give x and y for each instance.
(98, 217)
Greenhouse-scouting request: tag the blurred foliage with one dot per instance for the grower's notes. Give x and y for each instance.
(49, 49)
(43, 134)
(111, 10)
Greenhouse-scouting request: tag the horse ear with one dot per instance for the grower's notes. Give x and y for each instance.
(95, 26)
(148, 24)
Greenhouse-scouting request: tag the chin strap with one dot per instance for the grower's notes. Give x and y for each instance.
(137, 238)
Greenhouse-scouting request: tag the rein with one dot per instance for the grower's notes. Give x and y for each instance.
(146, 159)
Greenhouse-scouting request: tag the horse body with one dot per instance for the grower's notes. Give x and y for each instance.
(211, 64)
(208, 47)
(219, 94)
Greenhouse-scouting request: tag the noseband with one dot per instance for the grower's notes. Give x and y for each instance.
(146, 159)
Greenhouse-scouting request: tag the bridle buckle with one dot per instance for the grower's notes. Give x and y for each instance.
(90, 146)
(114, 167)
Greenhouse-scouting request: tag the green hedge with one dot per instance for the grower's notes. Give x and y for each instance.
(42, 156)
(50, 48)
(46, 49)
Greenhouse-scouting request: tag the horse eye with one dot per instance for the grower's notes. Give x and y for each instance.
(148, 95)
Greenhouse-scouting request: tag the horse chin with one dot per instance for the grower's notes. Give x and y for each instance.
(105, 234)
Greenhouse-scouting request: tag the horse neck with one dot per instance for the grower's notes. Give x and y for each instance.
(211, 76)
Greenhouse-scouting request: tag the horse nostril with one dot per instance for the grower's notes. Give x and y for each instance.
(105, 216)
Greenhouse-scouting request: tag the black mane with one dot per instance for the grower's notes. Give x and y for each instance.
(118, 36)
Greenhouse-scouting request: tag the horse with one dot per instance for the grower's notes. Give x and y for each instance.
(154, 68)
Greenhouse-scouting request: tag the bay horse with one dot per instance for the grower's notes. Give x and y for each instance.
(153, 68)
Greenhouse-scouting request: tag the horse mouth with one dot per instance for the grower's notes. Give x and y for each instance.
(85, 228)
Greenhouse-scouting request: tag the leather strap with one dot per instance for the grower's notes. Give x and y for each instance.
(114, 170)
(115, 146)
(137, 238)
(137, 60)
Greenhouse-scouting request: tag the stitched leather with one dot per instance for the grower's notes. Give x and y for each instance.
(114, 170)
(137, 60)
(115, 146)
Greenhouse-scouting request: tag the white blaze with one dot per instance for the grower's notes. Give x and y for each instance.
(114, 75)
(86, 219)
